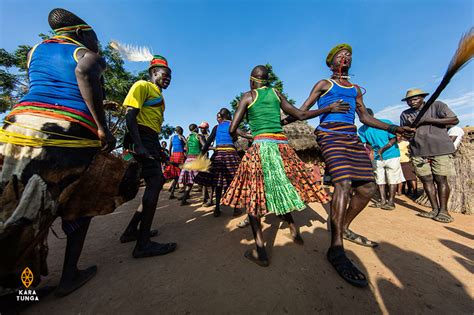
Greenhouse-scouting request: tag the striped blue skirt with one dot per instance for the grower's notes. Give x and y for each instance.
(343, 153)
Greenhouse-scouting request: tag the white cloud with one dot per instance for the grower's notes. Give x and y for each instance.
(466, 119)
(457, 104)
(462, 101)
(391, 112)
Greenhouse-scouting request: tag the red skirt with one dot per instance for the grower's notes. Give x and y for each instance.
(173, 170)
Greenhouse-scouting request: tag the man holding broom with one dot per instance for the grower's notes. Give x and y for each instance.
(431, 150)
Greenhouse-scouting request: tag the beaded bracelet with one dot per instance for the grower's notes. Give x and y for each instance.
(392, 129)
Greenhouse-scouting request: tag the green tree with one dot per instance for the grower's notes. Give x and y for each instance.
(13, 78)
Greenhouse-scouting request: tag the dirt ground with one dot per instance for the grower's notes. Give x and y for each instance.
(421, 266)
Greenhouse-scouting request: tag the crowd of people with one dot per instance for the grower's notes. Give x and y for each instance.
(268, 178)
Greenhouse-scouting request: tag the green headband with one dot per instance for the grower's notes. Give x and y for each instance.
(69, 29)
(257, 80)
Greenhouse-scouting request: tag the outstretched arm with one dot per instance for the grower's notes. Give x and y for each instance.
(89, 69)
(244, 134)
(209, 141)
(318, 89)
(371, 121)
(299, 114)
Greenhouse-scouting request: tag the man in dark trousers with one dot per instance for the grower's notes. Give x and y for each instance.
(145, 113)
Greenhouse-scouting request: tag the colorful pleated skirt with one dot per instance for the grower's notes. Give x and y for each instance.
(172, 170)
(224, 165)
(272, 179)
(343, 152)
(186, 177)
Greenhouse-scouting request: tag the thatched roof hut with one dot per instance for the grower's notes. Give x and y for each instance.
(302, 139)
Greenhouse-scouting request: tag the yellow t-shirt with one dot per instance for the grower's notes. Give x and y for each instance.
(404, 153)
(147, 97)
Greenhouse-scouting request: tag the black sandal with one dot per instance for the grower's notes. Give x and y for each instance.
(81, 278)
(153, 249)
(345, 268)
(376, 204)
(429, 215)
(358, 239)
(443, 217)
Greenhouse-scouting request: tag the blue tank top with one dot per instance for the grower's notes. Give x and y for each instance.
(335, 93)
(178, 144)
(222, 134)
(52, 77)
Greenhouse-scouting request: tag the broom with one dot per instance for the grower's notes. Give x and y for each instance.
(463, 55)
(200, 164)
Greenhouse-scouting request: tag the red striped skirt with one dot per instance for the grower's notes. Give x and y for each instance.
(172, 170)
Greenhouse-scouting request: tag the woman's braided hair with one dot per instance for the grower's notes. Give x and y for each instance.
(59, 18)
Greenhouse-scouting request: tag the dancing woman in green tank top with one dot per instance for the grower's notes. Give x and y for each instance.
(194, 144)
(271, 178)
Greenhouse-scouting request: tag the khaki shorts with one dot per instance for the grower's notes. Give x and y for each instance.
(388, 171)
(441, 165)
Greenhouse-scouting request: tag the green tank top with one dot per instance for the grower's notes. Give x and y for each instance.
(264, 113)
(194, 146)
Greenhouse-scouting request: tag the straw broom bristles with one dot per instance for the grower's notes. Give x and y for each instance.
(200, 164)
(463, 55)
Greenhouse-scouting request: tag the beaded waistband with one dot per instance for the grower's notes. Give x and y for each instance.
(271, 137)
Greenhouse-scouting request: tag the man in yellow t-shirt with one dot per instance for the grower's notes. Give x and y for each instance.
(144, 116)
(147, 97)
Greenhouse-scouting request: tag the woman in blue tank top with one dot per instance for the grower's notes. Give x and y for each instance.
(225, 160)
(346, 160)
(177, 158)
(71, 117)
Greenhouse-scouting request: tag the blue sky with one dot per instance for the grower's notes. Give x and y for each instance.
(212, 45)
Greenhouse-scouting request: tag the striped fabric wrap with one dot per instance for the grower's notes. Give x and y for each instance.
(224, 165)
(55, 111)
(272, 179)
(343, 153)
(187, 177)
